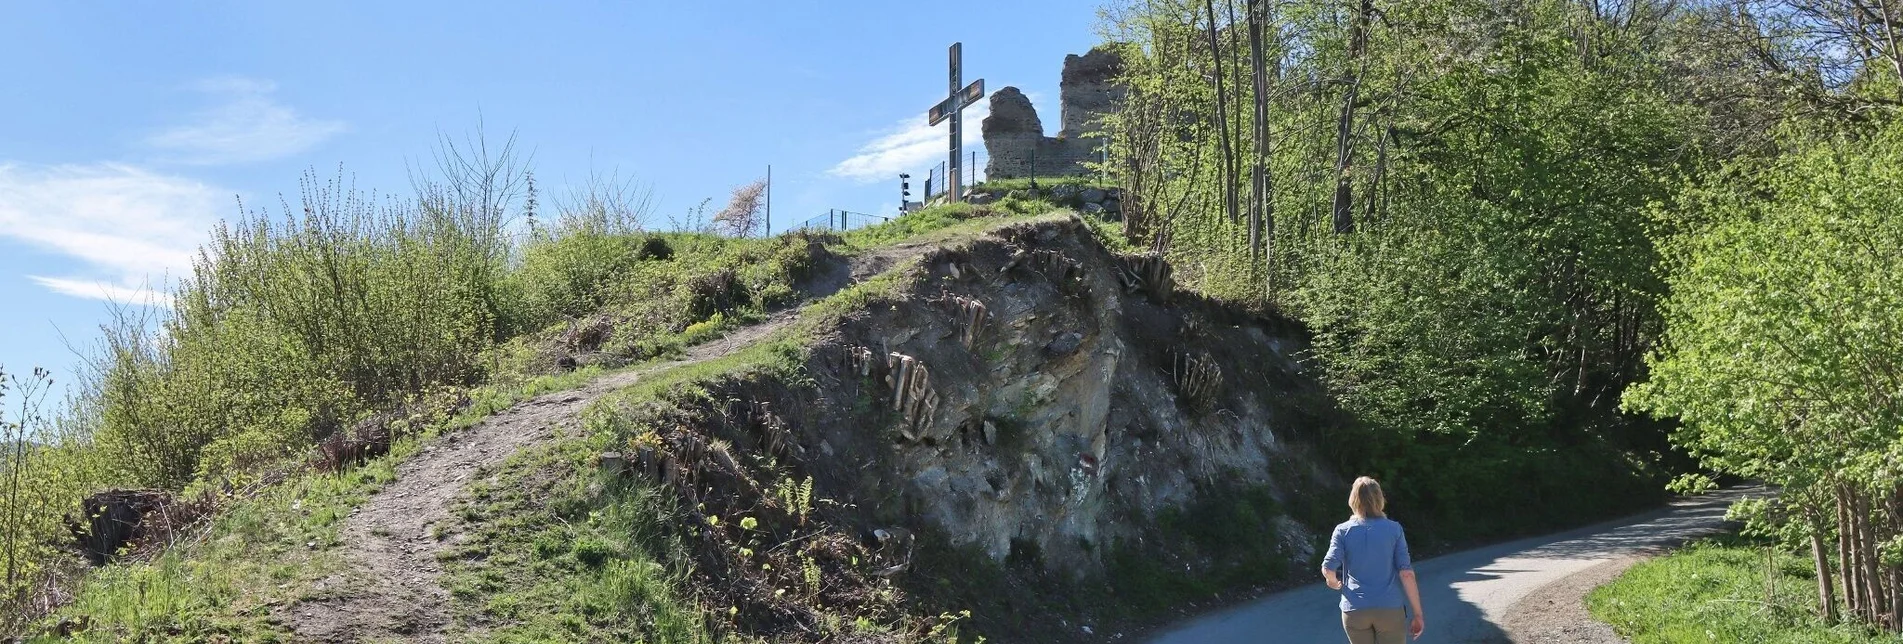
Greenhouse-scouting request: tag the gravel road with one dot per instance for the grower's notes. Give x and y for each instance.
(1469, 595)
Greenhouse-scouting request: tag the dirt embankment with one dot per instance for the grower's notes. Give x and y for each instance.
(1032, 427)
(1029, 426)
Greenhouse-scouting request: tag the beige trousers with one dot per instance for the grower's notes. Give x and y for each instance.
(1375, 626)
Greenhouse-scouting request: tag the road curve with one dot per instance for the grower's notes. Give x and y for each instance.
(1465, 594)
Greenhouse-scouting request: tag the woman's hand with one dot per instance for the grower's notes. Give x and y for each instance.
(1416, 625)
(1333, 583)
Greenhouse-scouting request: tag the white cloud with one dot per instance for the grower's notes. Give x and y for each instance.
(126, 227)
(246, 125)
(148, 296)
(910, 146)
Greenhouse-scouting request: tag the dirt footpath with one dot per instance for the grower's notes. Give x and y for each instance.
(393, 591)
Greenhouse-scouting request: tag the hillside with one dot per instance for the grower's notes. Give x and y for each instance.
(1010, 424)
(977, 422)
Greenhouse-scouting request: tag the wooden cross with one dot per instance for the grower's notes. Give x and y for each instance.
(961, 97)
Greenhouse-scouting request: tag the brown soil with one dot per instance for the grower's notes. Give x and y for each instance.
(1556, 613)
(393, 590)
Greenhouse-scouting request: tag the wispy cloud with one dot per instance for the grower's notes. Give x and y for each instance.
(148, 295)
(128, 228)
(246, 124)
(908, 146)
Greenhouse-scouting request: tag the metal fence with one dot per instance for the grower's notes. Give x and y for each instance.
(936, 181)
(836, 219)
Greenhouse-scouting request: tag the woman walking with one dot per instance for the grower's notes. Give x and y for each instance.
(1367, 561)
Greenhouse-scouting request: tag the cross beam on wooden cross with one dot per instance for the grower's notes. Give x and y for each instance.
(961, 98)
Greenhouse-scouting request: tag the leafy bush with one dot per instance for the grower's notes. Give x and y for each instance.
(572, 272)
(294, 325)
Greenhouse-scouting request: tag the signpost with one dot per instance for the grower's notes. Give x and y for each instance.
(960, 98)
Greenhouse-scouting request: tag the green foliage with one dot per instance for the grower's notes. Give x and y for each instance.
(1784, 336)
(291, 327)
(1723, 590)
(912, 224)
(1492, 291)
(647, 294)
(1231, 535)
(35, 474)
(1785, 347)
(572, 272)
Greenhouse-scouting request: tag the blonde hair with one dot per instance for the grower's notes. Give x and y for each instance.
(1366, 498)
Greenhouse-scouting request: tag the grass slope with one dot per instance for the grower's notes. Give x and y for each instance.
(1728, 589)
(558, 556)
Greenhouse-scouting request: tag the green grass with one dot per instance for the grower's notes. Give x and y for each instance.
(1728, 589)
(262, 551)
(1043, 183)
(556, 553)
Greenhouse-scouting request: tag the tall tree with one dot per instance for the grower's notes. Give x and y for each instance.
(1261, 211)
(1221, 123)
(1345, 123)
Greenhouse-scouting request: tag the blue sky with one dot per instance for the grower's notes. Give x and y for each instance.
(128, 129)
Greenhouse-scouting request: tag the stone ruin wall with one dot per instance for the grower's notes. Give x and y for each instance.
(1014, 135)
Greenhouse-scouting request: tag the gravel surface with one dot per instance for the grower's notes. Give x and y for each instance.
(1477, 595)
(1556, 613)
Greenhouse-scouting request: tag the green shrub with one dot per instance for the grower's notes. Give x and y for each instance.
(288, 331)
(573, 272)
(1728, 589)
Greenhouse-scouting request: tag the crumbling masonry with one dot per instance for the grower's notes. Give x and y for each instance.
(1014, 137)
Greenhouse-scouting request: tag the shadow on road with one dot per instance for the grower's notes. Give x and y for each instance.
(1310, 615)
(1467, 593)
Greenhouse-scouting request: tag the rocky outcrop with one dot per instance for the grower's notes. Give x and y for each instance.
(1084, 403)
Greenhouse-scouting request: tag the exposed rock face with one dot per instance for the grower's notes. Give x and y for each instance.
(1039, 411)
(1060, 428)
(1014, 136)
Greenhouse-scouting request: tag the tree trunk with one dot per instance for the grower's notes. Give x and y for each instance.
(1845, 562)
(1826, 586)
(1262, 213)
(1228, 169)
(1889, 36)
(1868, 541)
(1344, 125)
